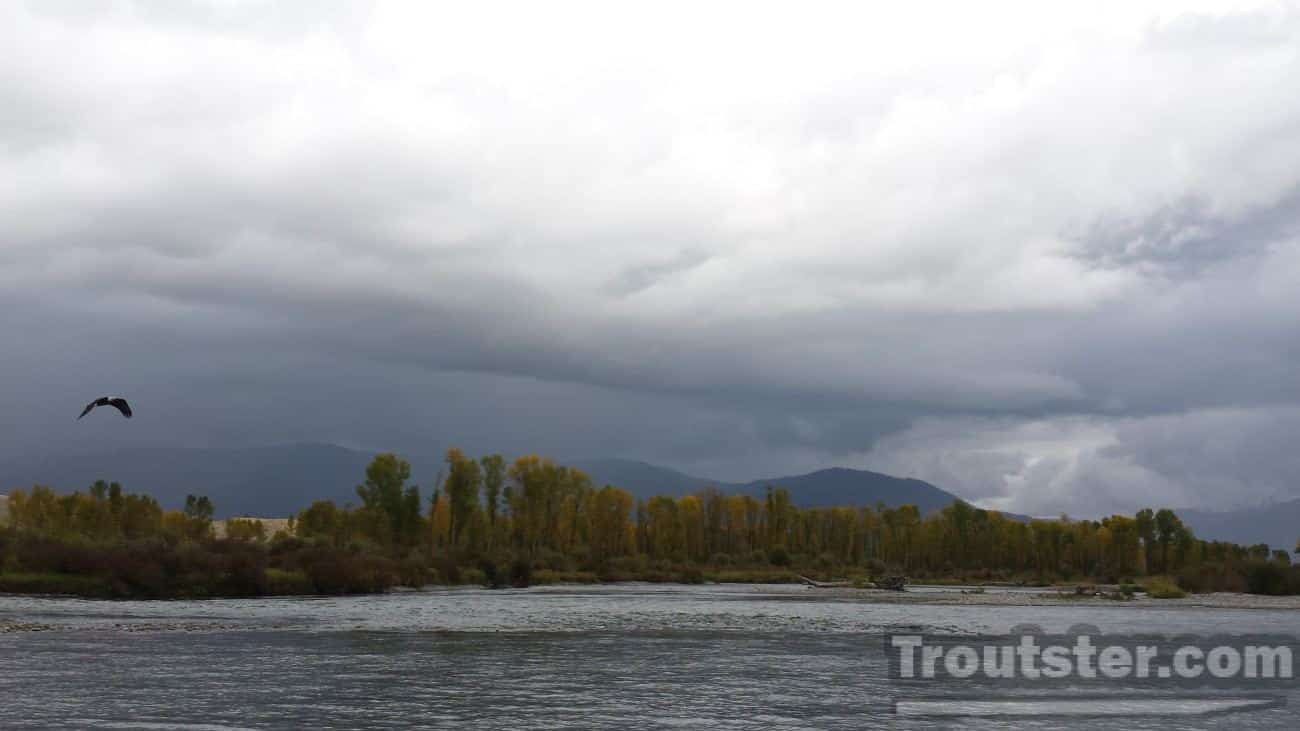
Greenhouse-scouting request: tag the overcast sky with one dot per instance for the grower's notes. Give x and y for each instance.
(1043, 255)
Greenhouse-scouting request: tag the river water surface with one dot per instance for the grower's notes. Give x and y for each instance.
(626, 656)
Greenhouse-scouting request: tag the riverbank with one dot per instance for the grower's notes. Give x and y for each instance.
(922, 594)
(8, 626)
(282, 583)
(935, 594)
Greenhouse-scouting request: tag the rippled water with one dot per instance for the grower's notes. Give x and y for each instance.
(627, 656)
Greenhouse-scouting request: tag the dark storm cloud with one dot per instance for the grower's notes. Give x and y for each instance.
(1035, 264)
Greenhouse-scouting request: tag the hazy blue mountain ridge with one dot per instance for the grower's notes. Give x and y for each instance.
(280, 480)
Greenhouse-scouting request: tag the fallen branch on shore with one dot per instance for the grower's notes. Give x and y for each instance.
(892, 583)
(823, 584)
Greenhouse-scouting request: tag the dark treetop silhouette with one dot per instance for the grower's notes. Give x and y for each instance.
(115, 401)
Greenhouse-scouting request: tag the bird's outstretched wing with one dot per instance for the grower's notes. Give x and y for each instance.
(115, 401)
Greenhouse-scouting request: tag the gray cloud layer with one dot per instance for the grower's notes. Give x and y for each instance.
(1049, 262)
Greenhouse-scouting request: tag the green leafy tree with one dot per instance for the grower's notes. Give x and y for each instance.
(1146, 528)
(196, 517)
(462, 485)
(384, 495)
(494, 477)
(1167, 525)
(198, 508)
(244, 530)
(322, 521)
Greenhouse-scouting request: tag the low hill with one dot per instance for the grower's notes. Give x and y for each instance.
(842, 486)
(1278, 524)
(828, 487)
(279, 480)
(641, 478)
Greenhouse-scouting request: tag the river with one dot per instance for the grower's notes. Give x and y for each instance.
(627, 656)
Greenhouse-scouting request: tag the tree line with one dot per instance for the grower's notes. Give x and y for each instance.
(535, 506)
(492, 521)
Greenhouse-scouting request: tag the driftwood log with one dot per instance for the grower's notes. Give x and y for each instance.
(893, 583)
(823, 584)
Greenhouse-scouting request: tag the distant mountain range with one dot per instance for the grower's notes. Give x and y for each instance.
(281, 480)
(834, 486)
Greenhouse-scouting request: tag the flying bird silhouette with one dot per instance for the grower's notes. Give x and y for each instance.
(116, 402)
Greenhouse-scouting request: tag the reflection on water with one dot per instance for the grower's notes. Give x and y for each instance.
(646, 656)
